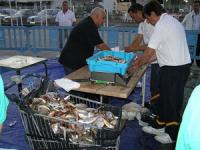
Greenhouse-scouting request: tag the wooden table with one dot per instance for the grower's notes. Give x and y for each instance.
(104, 89)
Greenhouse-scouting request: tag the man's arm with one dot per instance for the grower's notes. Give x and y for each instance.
(146, 58)
(103, 46)
(1, 126)
(184, 20)
(136, 44)
(73, 19)
(57, 19)
(140, 48)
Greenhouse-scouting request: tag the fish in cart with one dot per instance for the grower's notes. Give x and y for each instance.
(77, 122)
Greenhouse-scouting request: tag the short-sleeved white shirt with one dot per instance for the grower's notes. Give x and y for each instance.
(169, 41)
(196, 18)
(65, 19)
(146, 29)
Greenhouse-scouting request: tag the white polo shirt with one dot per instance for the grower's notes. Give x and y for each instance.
(66, 19)
(146, 29)
(196, 23)
(169, 41)
(192, 21)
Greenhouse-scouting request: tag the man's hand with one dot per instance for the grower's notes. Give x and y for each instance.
(136, 65)
(127, 49)
(103, 46)
(1, 126)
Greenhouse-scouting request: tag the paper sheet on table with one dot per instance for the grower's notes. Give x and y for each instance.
(115, 48)
(67, 84)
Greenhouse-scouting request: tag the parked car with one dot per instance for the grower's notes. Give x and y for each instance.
(20, 17)
(46, 16)
(2, 16)
(5, 12)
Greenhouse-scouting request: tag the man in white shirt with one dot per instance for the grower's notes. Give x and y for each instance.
(145, 31)
(65, 17)
(169, 43)
(192, 22)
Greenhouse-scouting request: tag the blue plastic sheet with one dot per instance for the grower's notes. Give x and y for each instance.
(13, 131)
(133, 138)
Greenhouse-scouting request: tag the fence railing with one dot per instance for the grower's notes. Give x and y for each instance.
(52, 38)
(192, 40)
(14, 38)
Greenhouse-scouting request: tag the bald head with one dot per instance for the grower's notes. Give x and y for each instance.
(97, 11)
(98, 16)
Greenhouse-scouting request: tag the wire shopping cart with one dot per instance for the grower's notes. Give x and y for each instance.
(47, 132)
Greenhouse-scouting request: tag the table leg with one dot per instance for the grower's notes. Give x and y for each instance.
(20, 84)
(143, 88)
(46, 72)
(101, 99)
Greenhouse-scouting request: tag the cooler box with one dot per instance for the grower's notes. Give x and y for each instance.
(96, 65)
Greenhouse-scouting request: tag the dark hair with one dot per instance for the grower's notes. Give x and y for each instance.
(135, 7)
(64, 2)
(196, 1)
(153, 6)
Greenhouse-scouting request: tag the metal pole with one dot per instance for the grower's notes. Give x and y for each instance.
(101, 99)
(40, 5)
(16, 9)
(46, 15)
(41, 15)
(10, 14)
(143, 88)
(21, 19)
(70, 4)
(106, 17)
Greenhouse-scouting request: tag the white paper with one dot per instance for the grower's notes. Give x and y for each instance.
(116, 49)
(67, 84)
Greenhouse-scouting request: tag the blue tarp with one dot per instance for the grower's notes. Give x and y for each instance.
(132, 137)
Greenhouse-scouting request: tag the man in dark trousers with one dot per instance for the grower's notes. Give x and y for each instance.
(169, 43)
(82, 40)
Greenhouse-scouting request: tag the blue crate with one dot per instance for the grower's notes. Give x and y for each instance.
(108, 66)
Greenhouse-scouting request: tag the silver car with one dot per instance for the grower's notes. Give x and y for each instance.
(5, 12)
(20, 17)
(44, 17)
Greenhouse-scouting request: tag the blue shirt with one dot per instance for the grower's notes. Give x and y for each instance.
(189, 132)
(3, 102)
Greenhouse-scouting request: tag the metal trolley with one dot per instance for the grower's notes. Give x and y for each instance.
(40, 135)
